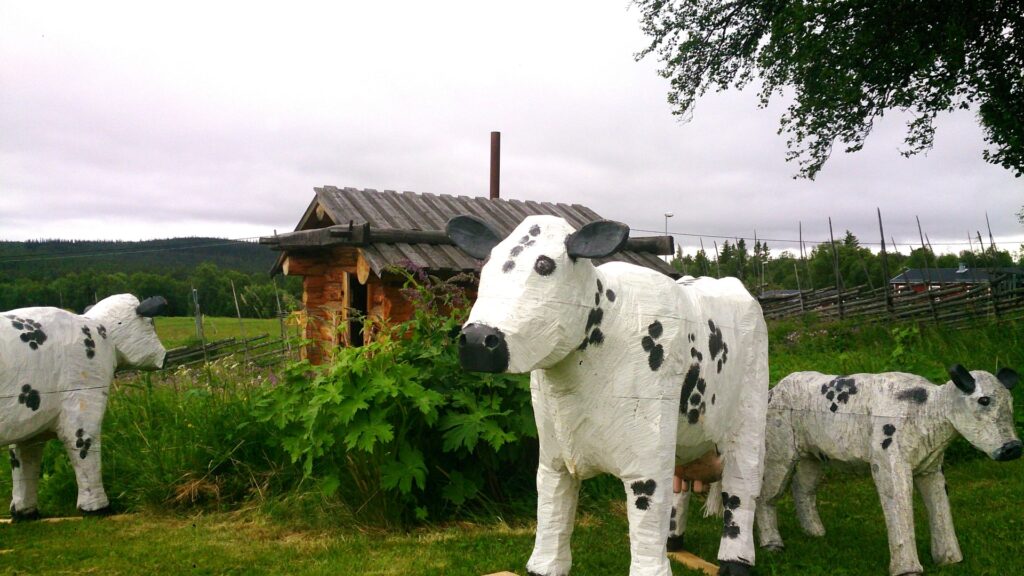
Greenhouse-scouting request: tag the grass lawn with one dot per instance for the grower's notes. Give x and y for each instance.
(181, 330)
(983, 495)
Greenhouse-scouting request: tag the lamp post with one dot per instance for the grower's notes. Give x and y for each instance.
(667, 216)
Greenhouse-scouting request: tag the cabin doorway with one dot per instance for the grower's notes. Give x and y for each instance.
(357, 310)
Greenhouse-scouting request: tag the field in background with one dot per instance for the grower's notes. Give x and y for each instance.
(210, 494)
(181, 331)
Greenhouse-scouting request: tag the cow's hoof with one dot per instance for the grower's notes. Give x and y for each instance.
(734, 568)
(773, 547)
(101, 512)
(17, 516)
(675, 543)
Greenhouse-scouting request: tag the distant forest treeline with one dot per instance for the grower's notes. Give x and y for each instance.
(858, 266)
(73, 274)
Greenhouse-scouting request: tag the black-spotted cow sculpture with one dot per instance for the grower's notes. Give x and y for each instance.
(898, 426)
(55, 373)
(631, 373)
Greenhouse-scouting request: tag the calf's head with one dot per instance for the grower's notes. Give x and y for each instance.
(536, 289)
(129, 326)
(982, 411)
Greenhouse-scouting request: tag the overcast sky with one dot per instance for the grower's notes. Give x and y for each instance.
(143, 120)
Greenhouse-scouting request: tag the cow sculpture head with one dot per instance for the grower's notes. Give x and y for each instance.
(983, 411)
(129, 325)
(536, 289)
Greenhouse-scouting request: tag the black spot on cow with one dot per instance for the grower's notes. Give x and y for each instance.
(717, 345)
(838, 391)
(516, 251)
(655, 351)
(712, 399)
(643, 490)
(524, 240)
(534, 230)
(888, 430)
(600, 287)
(691, 401)
(82, 443)
(691, 337)
(916, 395)
(544, 265)
(610, 295)
(31, 331)
(102, 331)
(15, 463)
(29, 397)
(729, 527)
(508, 266)
(593, 334)
(694, 353)
(90, 344)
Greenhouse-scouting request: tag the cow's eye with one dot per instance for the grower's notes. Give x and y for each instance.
(544, 265)
(984, 400)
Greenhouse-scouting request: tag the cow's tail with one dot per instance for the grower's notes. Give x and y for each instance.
(713, 503)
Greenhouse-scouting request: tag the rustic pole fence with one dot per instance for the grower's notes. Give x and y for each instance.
(885, 266)
(835, 269)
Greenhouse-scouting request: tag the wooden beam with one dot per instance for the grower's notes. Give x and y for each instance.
(363, 234)
(694, 562)
(295, 265)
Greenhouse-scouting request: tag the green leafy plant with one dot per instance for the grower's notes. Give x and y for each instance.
(397, 426)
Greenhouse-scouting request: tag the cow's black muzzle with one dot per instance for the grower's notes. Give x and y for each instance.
(1009, 451)
(483, 349)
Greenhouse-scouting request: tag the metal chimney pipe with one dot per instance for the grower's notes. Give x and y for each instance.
(495, 163)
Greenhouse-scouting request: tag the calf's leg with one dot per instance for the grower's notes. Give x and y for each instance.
(945, 548)
(26, 461)
(805, 493)
(893, 480)
(557, 495)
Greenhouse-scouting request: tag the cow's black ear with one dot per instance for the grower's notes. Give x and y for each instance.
(152, 306)
(1008, 377)
(597, 239)
(962, 378)
(472, 235)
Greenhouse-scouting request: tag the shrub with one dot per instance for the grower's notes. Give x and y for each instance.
(397, 428)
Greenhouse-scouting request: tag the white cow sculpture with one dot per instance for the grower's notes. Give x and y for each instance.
(632, 373)
(55, 372)
(896, 424)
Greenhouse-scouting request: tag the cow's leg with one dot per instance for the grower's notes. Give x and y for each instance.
(780, 460)
(945, 548)
(81, 438)
(805, 496)
(648, 506)
(557, 494)
(26, 461)
(677, 520)
(894, 482)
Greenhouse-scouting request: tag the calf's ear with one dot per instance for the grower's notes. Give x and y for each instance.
(962, 378)
(597, 239)
(152, 306)
(1008, 377)
(472, 235)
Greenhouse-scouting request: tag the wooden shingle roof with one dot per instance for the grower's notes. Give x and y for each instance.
(373, 221)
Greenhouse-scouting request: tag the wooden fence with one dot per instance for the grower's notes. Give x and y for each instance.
(260, 350)
(958, 303)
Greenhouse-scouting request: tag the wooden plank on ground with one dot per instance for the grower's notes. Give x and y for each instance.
(694, 562)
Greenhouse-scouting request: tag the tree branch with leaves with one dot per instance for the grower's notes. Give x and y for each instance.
(848, 62)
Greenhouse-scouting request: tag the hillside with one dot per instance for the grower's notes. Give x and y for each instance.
(49, 259)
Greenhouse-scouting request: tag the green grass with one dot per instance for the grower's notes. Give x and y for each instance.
(183, 453)
(984, 500)
(181, 330)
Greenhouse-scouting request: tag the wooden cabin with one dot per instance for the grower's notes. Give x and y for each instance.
(347, 241)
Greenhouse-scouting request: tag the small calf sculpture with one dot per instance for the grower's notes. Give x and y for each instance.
(55, 373)
(897, 424)
(631, 373)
